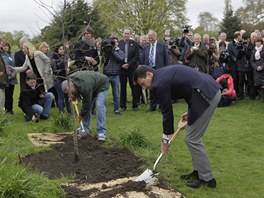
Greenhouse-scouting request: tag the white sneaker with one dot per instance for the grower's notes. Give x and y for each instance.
(101, 136)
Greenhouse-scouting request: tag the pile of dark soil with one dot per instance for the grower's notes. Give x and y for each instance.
(97, 163)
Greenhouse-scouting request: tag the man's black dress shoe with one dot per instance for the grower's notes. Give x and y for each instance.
(198, 183)
(151, 110)
(193, 175)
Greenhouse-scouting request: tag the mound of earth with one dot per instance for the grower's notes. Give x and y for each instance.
(100, 171)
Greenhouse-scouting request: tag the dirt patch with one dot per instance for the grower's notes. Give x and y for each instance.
(101, 172)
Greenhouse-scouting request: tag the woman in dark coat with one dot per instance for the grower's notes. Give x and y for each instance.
(257, 63)
(59, 73)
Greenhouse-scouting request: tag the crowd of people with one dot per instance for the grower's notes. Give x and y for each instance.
(242, 58)
(204, 71)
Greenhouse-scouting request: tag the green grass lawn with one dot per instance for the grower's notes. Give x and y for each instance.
(234, 141)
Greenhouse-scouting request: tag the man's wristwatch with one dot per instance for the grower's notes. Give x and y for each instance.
(165, 141)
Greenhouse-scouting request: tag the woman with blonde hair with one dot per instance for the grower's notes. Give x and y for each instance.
(37, 62)
(44, 47)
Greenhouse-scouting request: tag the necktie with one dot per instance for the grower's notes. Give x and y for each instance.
(126, 51)
(151, 55)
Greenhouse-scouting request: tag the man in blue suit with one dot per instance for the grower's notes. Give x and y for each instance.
(202, 94)
(156, 56)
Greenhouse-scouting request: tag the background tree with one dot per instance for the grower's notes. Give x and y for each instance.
(253, 11)
(251, 15)
(141, 15)
(230, 23)
(208, 22)
(73, 15)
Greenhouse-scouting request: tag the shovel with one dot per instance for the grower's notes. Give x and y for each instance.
(148, 174)
(75, 102)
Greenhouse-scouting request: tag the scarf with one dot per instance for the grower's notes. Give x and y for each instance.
(258, 50)
(91, 42)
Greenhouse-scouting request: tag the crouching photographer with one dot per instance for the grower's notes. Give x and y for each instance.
(112, 59)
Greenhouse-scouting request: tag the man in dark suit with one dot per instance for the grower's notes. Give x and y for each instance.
(156, 56)
(131, 49)
(202, 94)
(233, 51)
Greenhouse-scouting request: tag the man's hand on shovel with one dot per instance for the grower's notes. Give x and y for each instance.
(164, 148)
(184, 116)
(79, 118)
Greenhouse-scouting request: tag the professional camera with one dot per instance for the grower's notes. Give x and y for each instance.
(108, 46)
(185, 28)
(211, 50)
(175, 42)
(224, 55)
(241, 44)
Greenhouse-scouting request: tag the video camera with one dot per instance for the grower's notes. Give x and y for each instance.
(186, 28)
(224, 55)
(108, 45)
(175, 42)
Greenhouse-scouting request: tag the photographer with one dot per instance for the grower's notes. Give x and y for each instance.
(213, 56)
(197, 55)
(174, 51)
(183, 42)
(244, 68)
(112, 58)
(224, 57)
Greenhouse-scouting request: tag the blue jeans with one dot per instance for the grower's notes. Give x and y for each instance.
(62, 97)
(100, 113)
(45, 108)
(114, 81)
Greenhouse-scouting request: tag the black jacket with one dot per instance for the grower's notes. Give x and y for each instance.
(82, 49)
(29, 97)
(182, 82)
(113, 62)
(133, 53)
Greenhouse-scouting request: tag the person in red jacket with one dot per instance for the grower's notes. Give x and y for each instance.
(228, 92)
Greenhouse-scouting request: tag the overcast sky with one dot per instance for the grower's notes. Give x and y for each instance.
(28, 16)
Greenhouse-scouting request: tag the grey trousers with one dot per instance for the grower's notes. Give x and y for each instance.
(193, 139)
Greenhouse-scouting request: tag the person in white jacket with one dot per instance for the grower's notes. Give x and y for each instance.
(37, 62)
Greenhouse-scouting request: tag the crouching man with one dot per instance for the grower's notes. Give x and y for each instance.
(90, 87)
(33, 101)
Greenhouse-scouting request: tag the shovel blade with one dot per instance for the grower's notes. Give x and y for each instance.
(146, 176)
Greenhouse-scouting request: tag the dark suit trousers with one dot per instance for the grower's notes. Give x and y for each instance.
(9, 92)
(124, 75)
(234, 74)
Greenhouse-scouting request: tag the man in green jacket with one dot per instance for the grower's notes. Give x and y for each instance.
(88, 86)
